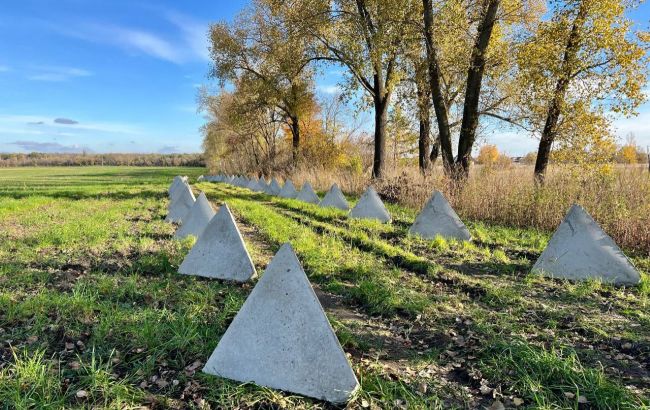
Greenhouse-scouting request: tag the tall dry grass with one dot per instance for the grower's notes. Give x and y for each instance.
(620, 202)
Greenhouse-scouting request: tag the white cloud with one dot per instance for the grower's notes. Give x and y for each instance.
(146, 43)
(185, 42)
(329, 89)
(57, 73)
(194, 33)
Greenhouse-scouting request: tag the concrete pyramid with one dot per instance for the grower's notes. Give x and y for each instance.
(242, 182)
(288, 190)
(253, 185)
(282, 339)
(220, 251)
(307, 194)
(334, 198)
(273, 188)
(579, 249)
(370, 207)
(439, 218)
(180, 206)
(176, 183)
(263, 184)
(197, 218)
(182, 187)
(259, 185)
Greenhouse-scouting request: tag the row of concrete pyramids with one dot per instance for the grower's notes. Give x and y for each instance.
(369, 205)
(578, 250)
(281, 337)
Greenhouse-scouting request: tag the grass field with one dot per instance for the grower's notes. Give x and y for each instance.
(94, 314)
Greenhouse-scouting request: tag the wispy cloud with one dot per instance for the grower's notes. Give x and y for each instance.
(329, 89)
(60, 125)
(4, 68)
(56, 73)
(186, 42)
(145, 42)
(195, 33)
(50, 147)
(65, 121)
(169, 149)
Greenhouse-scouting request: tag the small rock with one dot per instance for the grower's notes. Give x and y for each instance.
(517, 401)
(485, 390)
(582, 400)
(82, 394)
(497, 405)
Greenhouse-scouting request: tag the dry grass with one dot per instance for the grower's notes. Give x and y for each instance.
(619, 202)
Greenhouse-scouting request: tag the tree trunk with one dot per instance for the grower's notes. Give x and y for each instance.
(435, 151)
(381, 118)
(424, 116)
(473, 90)
(295, 139)
(439, 106)
(555, 106)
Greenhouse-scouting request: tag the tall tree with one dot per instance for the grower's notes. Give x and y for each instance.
(470, 54)
(260, 48)
(475, 74)
(366, 37)
(581, 64)
(241, 134)
(474, 80)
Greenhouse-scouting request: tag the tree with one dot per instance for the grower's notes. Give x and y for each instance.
(261, 49)
(474, 80)
(488, 155)
(469, 48)
(580, 64)
(241, 135)
(366, 37)
(630, 153)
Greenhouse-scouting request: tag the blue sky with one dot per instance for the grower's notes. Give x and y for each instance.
(122, 76)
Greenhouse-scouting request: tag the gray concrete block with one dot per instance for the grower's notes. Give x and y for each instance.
(370, 206)
(220, 251)
(253, 185)
(197, 218)
(579, 249)
(282, 339)
(334, 198)
(439, 218)
(307, 194)
(180, 206)
(288, 190)
(273, 188)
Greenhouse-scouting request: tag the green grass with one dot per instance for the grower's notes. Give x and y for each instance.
(94, 314)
